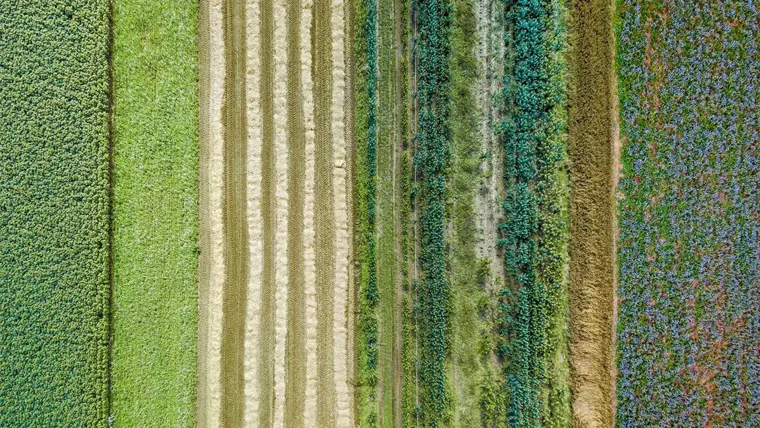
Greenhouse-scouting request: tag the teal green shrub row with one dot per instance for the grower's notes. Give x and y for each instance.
(535, 231)
(433, 52)
(155, 219)
(365, 54)
(54, 213)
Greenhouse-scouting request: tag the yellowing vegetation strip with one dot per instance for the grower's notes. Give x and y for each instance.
(253, 359)
(591, 146)
(340, 212)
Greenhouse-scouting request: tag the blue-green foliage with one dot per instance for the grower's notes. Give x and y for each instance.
(365, 51)
(535, 230)
(433, 62)
(54, 213)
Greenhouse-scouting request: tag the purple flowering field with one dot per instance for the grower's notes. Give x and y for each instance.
(688, 346)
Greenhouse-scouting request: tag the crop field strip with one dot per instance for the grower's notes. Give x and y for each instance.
(534, 333)
(688, 253)
(155, 213)
(54, 213)
(291, 353)
(591, 152)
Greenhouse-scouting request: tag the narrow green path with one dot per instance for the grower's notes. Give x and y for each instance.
(155, 220)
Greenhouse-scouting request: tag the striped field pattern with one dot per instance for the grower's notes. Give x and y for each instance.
(274, 328)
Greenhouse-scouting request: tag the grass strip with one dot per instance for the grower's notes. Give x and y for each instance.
(155, 219)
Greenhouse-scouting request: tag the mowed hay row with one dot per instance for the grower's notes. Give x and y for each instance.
(282, 165)
(590, 149)
(54, 213)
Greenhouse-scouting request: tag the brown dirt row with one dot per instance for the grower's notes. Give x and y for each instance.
(592, 265)
(490, 53)
(617, 171)
(397, 361)
(282, 165)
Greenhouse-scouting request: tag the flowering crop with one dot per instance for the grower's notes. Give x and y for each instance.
(688, 344)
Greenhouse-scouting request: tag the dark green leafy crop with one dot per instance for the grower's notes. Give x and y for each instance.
(432, 159)
(54, 213)
(535, 231)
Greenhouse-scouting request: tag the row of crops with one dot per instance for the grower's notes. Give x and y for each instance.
(689, 252)
(365, 51)
(534, 345)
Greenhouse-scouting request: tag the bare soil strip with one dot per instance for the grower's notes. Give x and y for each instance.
(340, 219)
(252, 349)
(617, 171)
(236, 233)
(397, 362)
(591, 143)
(324, 223)
(310, 272)
(295, 391)
(490, 53)
(212, 259)
(282, 162)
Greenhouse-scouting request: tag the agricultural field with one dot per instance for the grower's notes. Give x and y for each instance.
(379, 213)
(687, 344)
